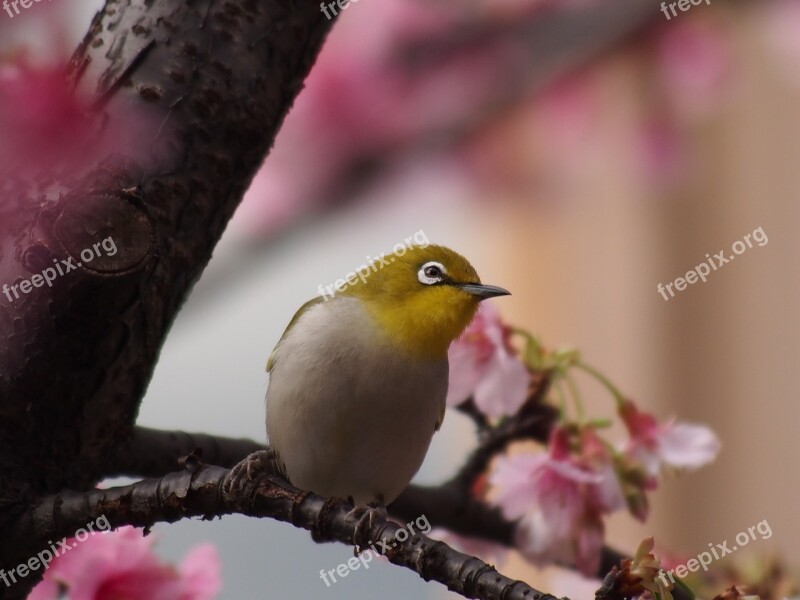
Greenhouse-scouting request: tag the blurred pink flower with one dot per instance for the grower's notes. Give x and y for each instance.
(677, 445)
(560, 500)
(40, 116)
(551, 132)
(355, 104)
(661, 152)
(484, 365)
(121, 565)
(567, 111)
(692, 60)
(47, 123)
(370, 96)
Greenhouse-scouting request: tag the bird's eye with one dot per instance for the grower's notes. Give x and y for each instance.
(433, 271)
(430, 273)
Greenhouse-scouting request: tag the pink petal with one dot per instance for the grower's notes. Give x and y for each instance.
(482, 365)
(122, 564)
(200, 571)
(515, 479)
(504, 386)
(466, 372)
(47, 589)
(606, 496)
(642, 426)
(644, 455)
(588, 547)
(688, 446)
(574, 473)
(541, 542)
(525, 482)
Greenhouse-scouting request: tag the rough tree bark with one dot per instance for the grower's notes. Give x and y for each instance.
(75, 359)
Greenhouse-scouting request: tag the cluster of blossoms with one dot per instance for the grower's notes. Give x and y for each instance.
(380, 83)
(560, 497)
(122, 564)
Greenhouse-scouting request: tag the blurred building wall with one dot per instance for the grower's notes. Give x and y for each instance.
(584, 270)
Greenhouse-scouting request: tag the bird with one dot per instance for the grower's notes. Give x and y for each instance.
(358, 381)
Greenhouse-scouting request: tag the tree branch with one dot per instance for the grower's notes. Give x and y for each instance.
(201, 491)
(153, 453)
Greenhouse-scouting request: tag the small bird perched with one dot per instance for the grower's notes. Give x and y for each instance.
(358, 382)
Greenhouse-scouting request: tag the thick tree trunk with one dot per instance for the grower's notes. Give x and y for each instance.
(75, 359)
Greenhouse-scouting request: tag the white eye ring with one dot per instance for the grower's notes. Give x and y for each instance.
(431, 272)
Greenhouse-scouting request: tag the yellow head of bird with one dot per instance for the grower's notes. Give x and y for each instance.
(424, 298)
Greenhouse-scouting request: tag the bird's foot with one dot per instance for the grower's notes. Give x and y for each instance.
(263, 462)
(367, 516)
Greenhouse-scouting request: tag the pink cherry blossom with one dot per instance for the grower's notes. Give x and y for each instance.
(693, 61)
(121, 564)
(677, 445)
(39, 113)
(484, 365)
(48, 123)
(560, 500)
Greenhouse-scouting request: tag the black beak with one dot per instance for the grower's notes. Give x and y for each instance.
(483, 291)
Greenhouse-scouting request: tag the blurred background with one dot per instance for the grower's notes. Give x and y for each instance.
(579, 153)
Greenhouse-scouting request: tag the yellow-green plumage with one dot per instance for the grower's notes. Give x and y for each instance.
(421, 320)
(358, 381)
